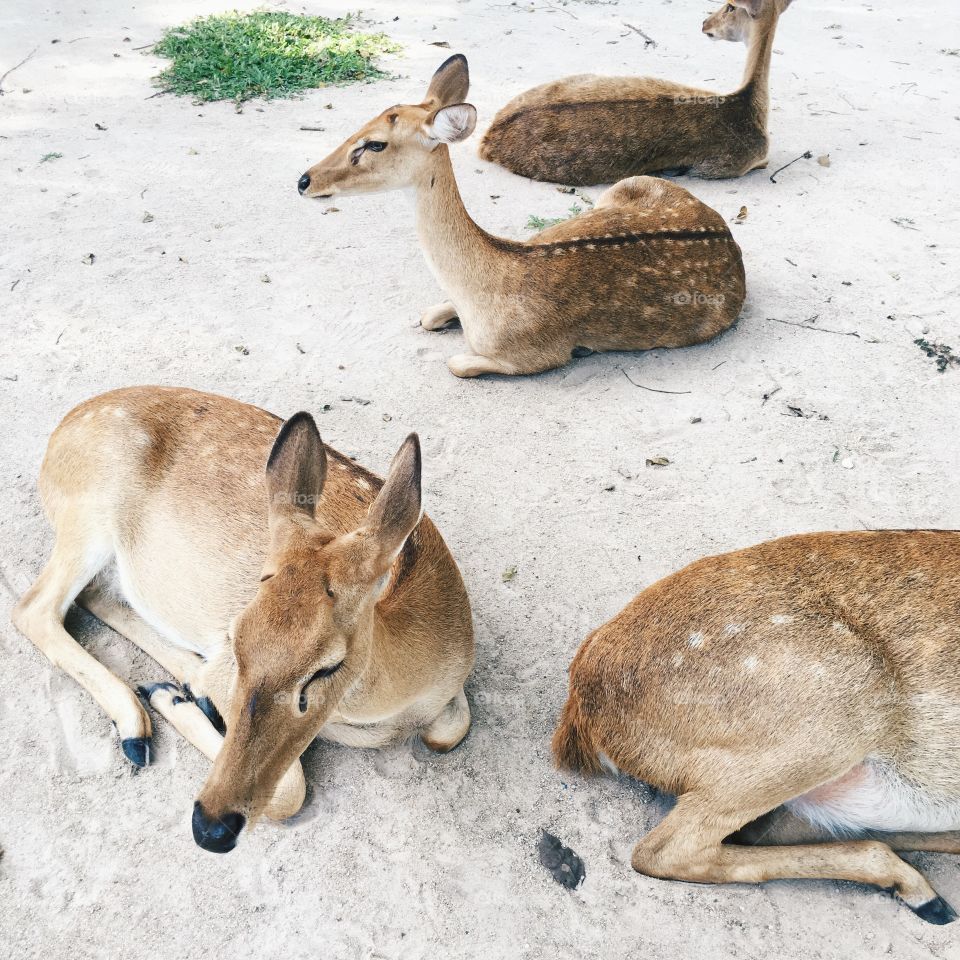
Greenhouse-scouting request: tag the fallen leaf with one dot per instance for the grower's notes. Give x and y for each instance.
(658, 462)
(88, 259)
(824, 161)
(323, 213)
(741, 216)
(240, 348)
(564, 865)
(440, 43)
(147, 217)
(508, 574)
(100, 126)
(265, 278)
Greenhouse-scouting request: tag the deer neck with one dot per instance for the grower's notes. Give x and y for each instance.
(461, 255)
(756, 75)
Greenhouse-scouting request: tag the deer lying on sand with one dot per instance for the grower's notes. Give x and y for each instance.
(282, 585)
(819, 671)
(650, 266)
(590, 129)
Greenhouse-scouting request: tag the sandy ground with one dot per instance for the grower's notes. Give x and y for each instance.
(401, 856)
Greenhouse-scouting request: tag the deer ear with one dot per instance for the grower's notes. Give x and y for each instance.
(450, 83)
(752, 7)
(398, 507)
(452, 124)
(296, 470)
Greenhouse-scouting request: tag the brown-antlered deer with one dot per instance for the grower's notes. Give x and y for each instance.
(291, 590)
(591, 129)
(649, 266)
(820, 672)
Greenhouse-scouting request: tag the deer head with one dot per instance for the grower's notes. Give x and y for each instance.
(393, 150)
(733, 21)
(306, 637)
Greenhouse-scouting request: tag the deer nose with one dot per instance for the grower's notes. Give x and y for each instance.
(303, 182)
(217, 834)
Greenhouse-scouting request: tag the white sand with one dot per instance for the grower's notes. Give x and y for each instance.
(405, 856)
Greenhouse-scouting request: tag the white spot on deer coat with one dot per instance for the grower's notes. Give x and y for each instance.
(695, 640)
(781, 618)
(751, 664)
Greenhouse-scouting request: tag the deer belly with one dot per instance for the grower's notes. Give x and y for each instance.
(873, 796)
(123, 582)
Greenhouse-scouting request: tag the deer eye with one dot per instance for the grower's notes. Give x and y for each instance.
(377, 146)
(303, 701)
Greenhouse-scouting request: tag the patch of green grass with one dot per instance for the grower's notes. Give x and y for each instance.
(539, 223)
(50, 156)
(237, 56)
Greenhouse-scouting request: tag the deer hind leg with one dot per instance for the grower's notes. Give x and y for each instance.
(781, 827)
(186, 667)
(688, 845)
(947, 842)
(76, 559)
(438, 316)
(474, 364)
(123, 619)
(450, 725)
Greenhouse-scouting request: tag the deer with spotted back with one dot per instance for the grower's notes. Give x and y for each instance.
(649, 266)
(285, 589)
(801, 698)
(588, 129)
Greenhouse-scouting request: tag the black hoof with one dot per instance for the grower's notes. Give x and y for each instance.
(148, 690)
(211, 713)
(137, 750)
(936, 911)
